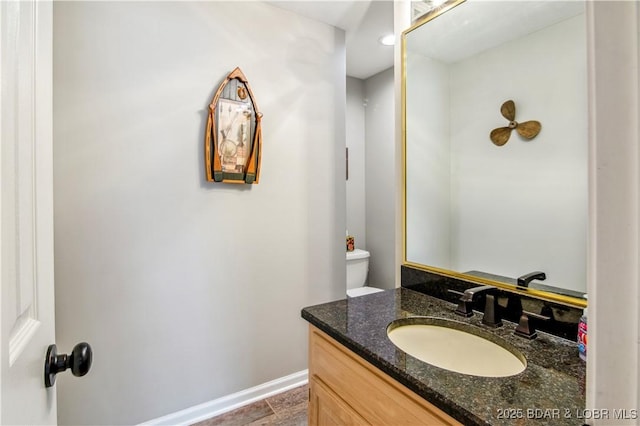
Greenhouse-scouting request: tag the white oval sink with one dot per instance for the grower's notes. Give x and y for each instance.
(456, 346)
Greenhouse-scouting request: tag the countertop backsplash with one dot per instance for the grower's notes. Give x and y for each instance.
(564, 319)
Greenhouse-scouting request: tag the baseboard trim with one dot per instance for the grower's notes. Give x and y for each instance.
(227, 403)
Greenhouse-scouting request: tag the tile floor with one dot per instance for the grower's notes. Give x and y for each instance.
(285, 409)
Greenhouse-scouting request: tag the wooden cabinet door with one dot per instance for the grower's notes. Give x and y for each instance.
(362, 394)
(328, 409)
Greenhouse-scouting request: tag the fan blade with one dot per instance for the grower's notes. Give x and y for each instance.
(500, 136)
(508, 110)
(529, 129)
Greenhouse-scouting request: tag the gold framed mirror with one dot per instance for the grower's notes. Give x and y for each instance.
(485, 213)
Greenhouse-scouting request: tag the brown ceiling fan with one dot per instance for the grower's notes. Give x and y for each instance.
(528, 129)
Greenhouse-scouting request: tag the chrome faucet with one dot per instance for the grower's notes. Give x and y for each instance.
(524, 280)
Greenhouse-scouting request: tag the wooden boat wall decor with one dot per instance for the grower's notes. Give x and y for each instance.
(233, 139)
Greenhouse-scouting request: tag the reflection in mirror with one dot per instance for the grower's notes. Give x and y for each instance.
(473, 206)
(419, 8)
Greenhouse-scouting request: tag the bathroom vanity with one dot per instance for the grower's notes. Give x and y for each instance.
(346, 389)
(358, 376)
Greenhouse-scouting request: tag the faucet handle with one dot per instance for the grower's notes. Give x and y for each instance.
(464, 306)
(525, 328)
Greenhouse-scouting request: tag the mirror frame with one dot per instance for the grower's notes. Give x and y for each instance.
(539, 294)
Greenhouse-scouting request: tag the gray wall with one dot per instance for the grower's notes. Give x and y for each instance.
(189, 291)
(356, 217)
(380, 173)
(370, 195)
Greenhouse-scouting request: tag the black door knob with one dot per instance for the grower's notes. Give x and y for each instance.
(79, 361)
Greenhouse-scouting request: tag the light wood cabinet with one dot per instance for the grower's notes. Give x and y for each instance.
(347, 390)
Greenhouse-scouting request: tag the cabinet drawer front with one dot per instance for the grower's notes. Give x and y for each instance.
(378, 398)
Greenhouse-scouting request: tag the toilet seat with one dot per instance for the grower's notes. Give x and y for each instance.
(361, 291)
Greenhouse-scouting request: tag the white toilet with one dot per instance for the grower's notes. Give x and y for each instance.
(357, 269)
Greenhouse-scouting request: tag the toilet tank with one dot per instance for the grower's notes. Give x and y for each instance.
(357, 268)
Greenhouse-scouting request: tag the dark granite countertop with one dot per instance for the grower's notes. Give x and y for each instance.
(550, 391)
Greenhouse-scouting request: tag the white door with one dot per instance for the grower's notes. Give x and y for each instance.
(26, 207)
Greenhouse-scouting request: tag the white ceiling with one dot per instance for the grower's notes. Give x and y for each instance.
(466, 31)
(364, 22)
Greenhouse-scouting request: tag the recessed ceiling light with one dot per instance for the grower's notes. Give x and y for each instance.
(388, 40)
